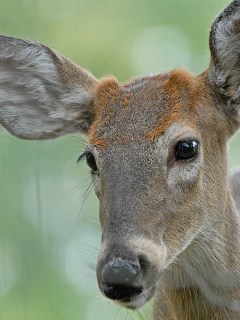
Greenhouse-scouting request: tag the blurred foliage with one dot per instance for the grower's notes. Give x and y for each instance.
(48, 239)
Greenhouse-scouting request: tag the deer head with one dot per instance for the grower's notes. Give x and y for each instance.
(156, 148)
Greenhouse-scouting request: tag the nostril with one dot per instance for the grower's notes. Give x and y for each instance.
(119, 271)
(143, 261)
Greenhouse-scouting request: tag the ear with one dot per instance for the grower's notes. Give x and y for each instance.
(42, 94)
(224, 69)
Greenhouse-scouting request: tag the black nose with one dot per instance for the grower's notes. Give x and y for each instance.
(122, 278)
(119, 271)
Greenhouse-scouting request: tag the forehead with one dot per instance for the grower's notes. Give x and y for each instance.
(144, 108)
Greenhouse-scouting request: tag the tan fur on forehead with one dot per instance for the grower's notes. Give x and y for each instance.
(107, 90)
(181, 78)
(183, 90)
(182, 87)
(175, 94)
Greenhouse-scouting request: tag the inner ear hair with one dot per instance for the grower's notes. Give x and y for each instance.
(224, 43)
(43, 95)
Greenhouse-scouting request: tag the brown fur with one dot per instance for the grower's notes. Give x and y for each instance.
(106, 92)
(174, 221)
(187, 100)
(180, 84)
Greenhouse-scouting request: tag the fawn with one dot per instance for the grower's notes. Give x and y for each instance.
(157, 151)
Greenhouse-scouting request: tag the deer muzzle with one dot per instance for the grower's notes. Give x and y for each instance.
(127, 275)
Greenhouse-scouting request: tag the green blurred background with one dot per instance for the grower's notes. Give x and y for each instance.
(49, 230)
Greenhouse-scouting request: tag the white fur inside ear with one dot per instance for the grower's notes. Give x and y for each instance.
(226, 48)
(34, 101)
(227, 40)
(224, 68)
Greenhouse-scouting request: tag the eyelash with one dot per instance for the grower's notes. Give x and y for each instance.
(82, 157)
(90, 160)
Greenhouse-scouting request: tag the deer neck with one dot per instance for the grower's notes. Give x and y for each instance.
(204, 280)
(214, 253)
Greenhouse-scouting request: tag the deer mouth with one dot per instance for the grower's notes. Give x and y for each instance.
(122, 293)
(139, 300)
(128, 296)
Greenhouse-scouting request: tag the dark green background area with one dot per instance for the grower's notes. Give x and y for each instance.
(49, 230)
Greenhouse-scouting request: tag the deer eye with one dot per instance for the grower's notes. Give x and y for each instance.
(91, 162)
(186, 149)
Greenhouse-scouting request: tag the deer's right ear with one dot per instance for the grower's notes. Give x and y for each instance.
(224, 69)
(42, 94)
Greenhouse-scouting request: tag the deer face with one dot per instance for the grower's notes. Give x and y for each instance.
(156, 148)
(148, 153)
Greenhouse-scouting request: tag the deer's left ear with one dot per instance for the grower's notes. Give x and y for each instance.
(224, 69)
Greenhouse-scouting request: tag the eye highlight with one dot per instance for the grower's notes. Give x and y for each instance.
(186, 149)
(91, 162)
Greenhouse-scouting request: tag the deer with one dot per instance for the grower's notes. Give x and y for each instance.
(157, 149)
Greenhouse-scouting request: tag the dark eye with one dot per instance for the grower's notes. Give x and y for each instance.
(91, 162)
(186, 149)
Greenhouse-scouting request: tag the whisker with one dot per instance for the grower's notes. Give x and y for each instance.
(85, 195)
